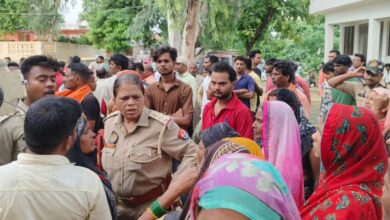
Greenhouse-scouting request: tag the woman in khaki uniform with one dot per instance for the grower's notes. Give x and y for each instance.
(139, 147)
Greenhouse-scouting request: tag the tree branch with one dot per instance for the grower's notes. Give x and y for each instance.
(260, 29)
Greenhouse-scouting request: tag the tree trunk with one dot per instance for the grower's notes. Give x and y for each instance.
(191, 29)
(264, 23)
(174, 36)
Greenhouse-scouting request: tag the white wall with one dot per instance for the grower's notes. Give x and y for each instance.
(322, 6)
(378, 9)
(354, 12)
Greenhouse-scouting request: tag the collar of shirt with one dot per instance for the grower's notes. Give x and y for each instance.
(243, 76)
(175, 83)
(142, 121)
(22, 107)
(36, 159)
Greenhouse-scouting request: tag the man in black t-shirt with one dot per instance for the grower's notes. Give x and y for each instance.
(76, 83)
(255, 56)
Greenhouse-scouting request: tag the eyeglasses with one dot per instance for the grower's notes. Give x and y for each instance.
(80, 126)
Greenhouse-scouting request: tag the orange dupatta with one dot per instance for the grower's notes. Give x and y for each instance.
(77, 95)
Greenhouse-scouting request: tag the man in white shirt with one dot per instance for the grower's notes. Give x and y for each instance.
(104, 90)
(183, 75)
(208, 66)
(42, 183)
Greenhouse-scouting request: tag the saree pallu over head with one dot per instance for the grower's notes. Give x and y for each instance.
(354, 163)
(282, 145)
(244, 184)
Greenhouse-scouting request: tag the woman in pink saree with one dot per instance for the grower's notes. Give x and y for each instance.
(276, 125)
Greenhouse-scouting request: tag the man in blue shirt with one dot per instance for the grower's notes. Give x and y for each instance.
(245, 86)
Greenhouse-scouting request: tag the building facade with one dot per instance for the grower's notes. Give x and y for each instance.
(364, 26)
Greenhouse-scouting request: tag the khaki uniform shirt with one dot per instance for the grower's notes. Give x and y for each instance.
(50, 187)
(358, 89)
(12, 133)
(138, 161)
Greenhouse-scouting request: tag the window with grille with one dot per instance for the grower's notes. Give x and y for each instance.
(349, 33)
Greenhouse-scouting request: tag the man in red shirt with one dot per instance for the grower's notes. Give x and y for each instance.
(225, 106)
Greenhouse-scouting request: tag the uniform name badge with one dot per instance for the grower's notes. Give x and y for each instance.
(112, 140)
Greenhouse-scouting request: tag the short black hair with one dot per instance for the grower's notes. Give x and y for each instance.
(335, 51)
(344, 60)
(120, 60)
(38, 60)
(167, 49)
(361, 56)
(76, 59)
(213, 59)
(81, 70)
(131, 65)
(101, 73)
(253, 53)
(15, 64)
(101, 57)
(328, 68)
(128, 79)
(270, 61)
(287, 68)
(225, 67)
(240, 58)
(139, 66)
(248, 63)
(387, 65)
(49, 122)
(287, 96)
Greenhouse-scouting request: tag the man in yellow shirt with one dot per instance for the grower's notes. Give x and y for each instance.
(254, 101)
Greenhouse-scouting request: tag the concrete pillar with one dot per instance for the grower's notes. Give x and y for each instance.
(385, 38)
(374, 30)
(356, 37)
(329, 38)
(342, 37)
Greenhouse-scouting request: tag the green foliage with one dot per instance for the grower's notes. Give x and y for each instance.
(109, 23)
(75, 40)
(303, 44)
(218, 24)
(277, 15)
(47, 19)
(41, 16)
(115, 25)
(10, 15)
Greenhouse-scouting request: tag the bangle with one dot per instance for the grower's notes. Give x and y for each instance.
(151, 213)
(157, 210)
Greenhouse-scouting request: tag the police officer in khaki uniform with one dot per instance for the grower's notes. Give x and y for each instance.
(11, 133)
(372, 76)
(38, 72)
(139, 147)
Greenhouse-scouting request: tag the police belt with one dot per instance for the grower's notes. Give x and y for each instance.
(134, 201)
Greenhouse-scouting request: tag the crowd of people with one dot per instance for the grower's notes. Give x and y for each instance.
(174, 139)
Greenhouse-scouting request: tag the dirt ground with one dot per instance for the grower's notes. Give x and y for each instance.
(315, 105)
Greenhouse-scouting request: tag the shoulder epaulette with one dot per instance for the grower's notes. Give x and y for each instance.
(113, 114)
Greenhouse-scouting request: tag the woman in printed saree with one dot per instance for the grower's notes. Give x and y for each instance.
(240, 186)
(353, 164)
